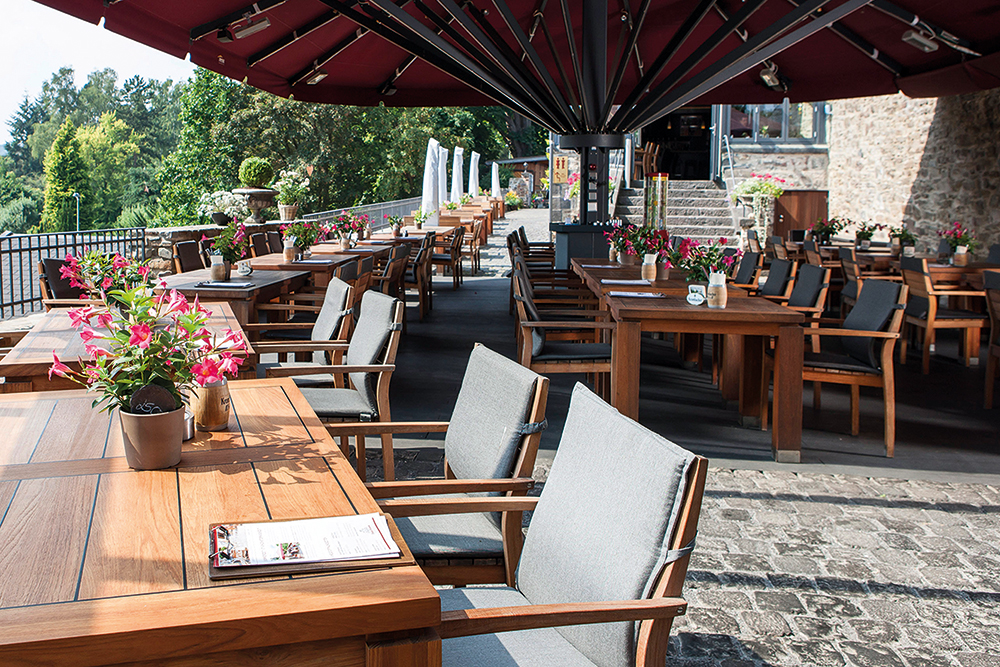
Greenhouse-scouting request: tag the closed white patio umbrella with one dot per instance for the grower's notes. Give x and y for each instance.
(429, 196)
(474, 174)
(456, 174)
(496, 181)
(443, 176)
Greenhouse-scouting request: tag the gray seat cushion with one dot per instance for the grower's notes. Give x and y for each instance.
(839, 362)
(441, 536)
(604, 523)
(334, 402)
(525, 648)
(556, 351)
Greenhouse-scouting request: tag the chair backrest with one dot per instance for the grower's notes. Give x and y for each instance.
(747, 271)
(334, 317)
(777, 277)
(429, 239)
(259, 245)
(54, 286)
(522, 238)
(348, 272)
(918, 279)
(797, 235)
(375, 338)
(489, 434)
(811, 284)
(812, 253)
(991, 281)
(527, 311)
(274, 242)
(879, 307)
(994, 255)
(753, 241)
(187, 257)
(852, 274)
(456, 241)
(205, 246)
(614, 505)
(944, 249)
(778, 247)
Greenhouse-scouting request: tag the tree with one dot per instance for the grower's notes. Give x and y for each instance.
(110, 149)
(66, 173)
(22, 125)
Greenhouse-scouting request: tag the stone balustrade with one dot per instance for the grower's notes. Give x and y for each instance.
(160, 241)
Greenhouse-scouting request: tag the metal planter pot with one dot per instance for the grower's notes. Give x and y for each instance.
(153, 441)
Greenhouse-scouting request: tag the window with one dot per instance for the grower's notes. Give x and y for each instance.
(788, 122)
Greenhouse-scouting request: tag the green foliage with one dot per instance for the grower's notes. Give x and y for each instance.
(136, 215)
(66, 173)
(109, 148)
(256, 172)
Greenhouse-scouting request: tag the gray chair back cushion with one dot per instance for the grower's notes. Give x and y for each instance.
(777, 276)
(871, 312)
(369, 338)
(348, 272)
(330, 316)
(604, 522)
(747, 267)
(808, 283)
(944, 248)
(493, 404)
(59, 287)
(531, 310)
(916, 306)
(994, 255)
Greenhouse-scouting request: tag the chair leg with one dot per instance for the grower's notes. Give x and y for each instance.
(889, 398)
(928, 344)
(388, 462)
(817, 395)
(903, 337)
(765, 389)
(992, 361)
(344, 447)
(359, 449)
(971, 345)
(855, 409)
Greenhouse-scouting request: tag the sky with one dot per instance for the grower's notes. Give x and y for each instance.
(35, 41)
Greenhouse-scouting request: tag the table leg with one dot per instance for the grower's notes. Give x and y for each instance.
(750, 384)
(625, 343)
(422, 650)
(242, 311)
(729, 373)
(786, 428)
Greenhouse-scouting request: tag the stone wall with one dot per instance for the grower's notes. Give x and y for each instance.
(803, 168)
(922, 162)
(160, 241)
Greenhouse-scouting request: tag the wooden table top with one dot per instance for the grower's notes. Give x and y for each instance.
(105, 564)
(593, 271)
(739, 315)
(187, 283)
(275, 261)
(324, 250)
(31, 357)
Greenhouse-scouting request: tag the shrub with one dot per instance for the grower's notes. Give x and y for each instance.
(256, 172)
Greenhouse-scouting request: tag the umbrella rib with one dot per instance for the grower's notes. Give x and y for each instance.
(558, 61)
(446, 58)
(752, 53)
(574, 58)
(536, 61)
(511, 66)
(863, 45)
(327, 56)
(633, 39)
(673, 46)
(292, 37)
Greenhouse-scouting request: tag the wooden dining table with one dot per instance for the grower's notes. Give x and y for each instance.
(106, 565)
(242, 297)
(748, 322)
(595, 273)
(321, 267)
(27, 365)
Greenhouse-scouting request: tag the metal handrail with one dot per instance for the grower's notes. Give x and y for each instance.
(375, 212)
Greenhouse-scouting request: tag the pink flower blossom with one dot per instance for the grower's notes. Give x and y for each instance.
(80, 316)
(88, 334)
(118, 262)
(104, 319)
(207, 371)
(107, 282)
(141, 336)
(58, 367)
(143, 271)
(229, 364)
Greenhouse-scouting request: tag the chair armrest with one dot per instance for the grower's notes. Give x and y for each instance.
(850, 333)
(427, 487)
(315, 297)
(466, 622)
(569, 325)
(433, 506)
(292, 371)
(805, 309)
(281, 347)
(381, 428)
(288, 307)
(70, 303)
(277, 326)
(586, 312)
(957, 292)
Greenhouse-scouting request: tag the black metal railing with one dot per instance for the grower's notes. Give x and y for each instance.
(375, 212)
(20, 290)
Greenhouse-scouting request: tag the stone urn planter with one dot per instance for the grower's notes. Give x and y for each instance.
(257, 200)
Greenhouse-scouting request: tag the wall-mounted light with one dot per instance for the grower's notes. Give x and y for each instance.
(920, 40)
(252, 28)
(316, 77)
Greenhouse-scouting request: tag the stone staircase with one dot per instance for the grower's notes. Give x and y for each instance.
(699, 209)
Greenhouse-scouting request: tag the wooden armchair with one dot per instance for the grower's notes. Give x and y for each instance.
(991, 281)
(417, 278)
(370, 360)
(993, 256)
(867, 340)
(777, 245)
(601, 570)
(274, 242)
(748, 273)
(329, 319)
(259, 245)
(187, 257)
(471, 247)
(923, 312)
(753, 241)
(55, 290)
(808, 296)
(451, 256)
(490, 446)
(780, 278)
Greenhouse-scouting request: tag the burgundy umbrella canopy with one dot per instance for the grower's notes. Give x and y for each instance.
(567, 64)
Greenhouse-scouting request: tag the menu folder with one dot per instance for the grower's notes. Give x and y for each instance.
(288, 562)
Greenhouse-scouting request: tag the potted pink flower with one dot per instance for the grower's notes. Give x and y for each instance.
(142, 357)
